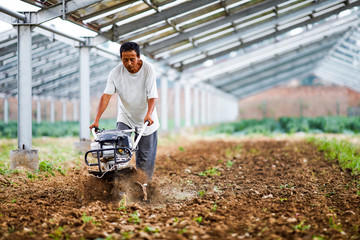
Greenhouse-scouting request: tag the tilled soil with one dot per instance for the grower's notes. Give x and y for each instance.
(204, 189)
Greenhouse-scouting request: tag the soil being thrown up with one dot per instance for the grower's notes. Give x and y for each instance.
(208, 189)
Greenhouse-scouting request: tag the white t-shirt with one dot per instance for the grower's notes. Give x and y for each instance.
(133, 90)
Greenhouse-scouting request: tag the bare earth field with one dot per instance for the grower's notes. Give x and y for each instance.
(202, 189)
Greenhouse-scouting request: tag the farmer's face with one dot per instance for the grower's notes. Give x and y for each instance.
(130, 61)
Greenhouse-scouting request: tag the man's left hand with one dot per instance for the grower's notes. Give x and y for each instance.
(149, 119)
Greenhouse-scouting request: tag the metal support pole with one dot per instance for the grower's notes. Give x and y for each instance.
(38, 110)
(52, 110)
(187, 105)
(64, 110)
(75, 110)
(196, 106)
(177, 115)
(209, 106)
(24, 87)
(203, 107)
(164, 103)
(6, 110)
(84, 93)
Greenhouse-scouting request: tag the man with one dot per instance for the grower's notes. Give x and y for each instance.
(134, 82)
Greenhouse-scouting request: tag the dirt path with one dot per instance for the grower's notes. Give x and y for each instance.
(208, 189)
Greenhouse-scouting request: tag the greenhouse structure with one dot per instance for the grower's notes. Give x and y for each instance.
(208, 54)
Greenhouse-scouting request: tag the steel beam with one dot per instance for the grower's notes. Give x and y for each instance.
(254, 68)
(273, 81)
(45, 15)
(186, 35)
(157, 17)
(248, 31)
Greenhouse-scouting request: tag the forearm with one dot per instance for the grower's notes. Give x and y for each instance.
(151, 106)
(104, 101)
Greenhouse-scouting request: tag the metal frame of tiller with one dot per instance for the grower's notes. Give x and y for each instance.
(129, 152)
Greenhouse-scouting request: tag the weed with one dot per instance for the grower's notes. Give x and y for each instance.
(334, 225)
(122, 205)
(13, 201)
(198, 219)
(182, 231)
(181, 149)
(347, 154)
(58, 234)
(283, 199)
(318, 237)
(210, 172)
(176, 219)
(286, 186)
(214, 207)
(149, 229)
(201, 193)
(229, 164)
(301, 226)
(126, 235)
(87, 219)
(134, 218)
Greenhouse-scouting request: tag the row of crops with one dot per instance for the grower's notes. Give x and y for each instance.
(329, 124)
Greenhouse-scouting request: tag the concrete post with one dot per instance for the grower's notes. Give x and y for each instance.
(52, 110)
(177, 115)
(24, 156)
(64, 110)
(187, 105)
(38, 110)
(24, 88)
(203, 107)
(6, 110)
(84, 144)
(164, 103)
(75, 110)
(196, 106)
(209, 108)
(84, 93)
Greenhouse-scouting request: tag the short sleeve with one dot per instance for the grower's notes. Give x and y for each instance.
(110, 86)
(151, 88)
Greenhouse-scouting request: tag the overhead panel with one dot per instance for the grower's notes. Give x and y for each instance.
(192, 36)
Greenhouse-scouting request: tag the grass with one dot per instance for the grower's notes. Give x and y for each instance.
(343, 151)
(54, 154)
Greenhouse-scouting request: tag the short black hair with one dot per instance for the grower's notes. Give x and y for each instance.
(129, 46)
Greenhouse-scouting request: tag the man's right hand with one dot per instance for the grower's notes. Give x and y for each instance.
(95, 124)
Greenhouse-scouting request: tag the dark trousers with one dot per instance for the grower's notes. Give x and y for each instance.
(146, 154)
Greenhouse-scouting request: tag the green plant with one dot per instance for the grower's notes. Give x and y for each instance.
(301, 226)
(181, 149)
(182, 231)
(198, 219)
(229, 164)
(126, 235)
(58, 234)
(333, 224)
(201, 193)
(347, 154)
(210, 172)
(122, 205)
(149, 229)
(286, 186)
(134, 218)
(13, 201)
(214, 207)
(87, 219)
